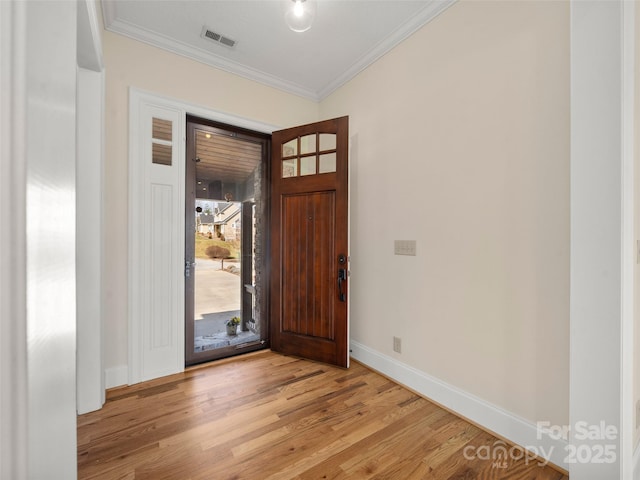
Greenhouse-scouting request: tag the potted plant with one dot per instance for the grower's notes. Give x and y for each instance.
(232, 326)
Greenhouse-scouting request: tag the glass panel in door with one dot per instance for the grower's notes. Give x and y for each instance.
(223, 285)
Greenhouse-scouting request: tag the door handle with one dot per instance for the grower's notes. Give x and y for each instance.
(187, 268)
(342, 277)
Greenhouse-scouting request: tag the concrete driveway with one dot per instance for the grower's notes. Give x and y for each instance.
(216, 290)
(217, 299)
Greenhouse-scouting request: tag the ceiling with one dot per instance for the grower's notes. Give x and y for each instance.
(346, 36)
(224, 158)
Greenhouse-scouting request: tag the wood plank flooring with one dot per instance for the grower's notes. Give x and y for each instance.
(267, 416)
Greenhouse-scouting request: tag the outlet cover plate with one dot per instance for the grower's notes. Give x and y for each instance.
(397, 345)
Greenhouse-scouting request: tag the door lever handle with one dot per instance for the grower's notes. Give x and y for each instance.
(342, 277)
(187, 268)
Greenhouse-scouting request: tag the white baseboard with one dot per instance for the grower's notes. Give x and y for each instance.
(116, 376)
(490, 417)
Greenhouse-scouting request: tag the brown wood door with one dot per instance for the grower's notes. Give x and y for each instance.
(309, 239)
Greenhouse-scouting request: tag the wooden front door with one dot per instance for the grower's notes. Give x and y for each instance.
(309, 240)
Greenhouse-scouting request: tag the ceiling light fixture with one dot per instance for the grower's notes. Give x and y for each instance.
(299, 14)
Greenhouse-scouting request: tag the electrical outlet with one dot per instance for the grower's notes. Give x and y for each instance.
(404, 247)
(397, 345)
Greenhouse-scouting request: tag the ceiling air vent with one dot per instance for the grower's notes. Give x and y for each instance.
(217, 37)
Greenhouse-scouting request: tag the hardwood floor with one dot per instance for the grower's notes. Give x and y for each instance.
(267, 416)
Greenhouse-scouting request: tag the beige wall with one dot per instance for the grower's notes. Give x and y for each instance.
(134, 64)
(460, 140)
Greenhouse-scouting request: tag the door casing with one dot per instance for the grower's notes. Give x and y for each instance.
(137, 231)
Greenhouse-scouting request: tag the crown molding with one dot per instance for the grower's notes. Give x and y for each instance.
(428, 13)
(157, 40)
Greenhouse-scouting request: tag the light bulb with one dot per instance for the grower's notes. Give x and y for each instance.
(299, 14)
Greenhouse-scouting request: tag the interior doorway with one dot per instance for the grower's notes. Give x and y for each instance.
(225, 240)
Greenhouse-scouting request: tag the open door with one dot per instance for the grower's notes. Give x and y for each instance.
(309, 240)
(225, 238)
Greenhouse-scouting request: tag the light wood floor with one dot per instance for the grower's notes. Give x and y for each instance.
(267, 416)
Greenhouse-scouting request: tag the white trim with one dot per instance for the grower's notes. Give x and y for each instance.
(499, 421)
(601, 234)
(90, 390)
(108, 12)
(353, 149)
(134, 274)
(116, 376)
(13, 343)
(138, 97)
(89, 240)
(199, 55)
(428, 13)
(206, 113)
(166, 143)
(628, 241)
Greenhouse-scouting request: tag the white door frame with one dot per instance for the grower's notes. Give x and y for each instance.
(602, 231)
(140, 367)
(13, 288)
(90, 378)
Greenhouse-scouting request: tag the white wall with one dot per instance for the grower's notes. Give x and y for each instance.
(637, 226)
(38, 174)
(461, 142)
(133, 64)
(50, 201)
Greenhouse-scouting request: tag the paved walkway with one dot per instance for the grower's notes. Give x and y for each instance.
(217, 299)
(216, 290)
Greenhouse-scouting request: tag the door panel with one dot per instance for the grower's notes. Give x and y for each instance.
(308, 292)
(309, 231)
